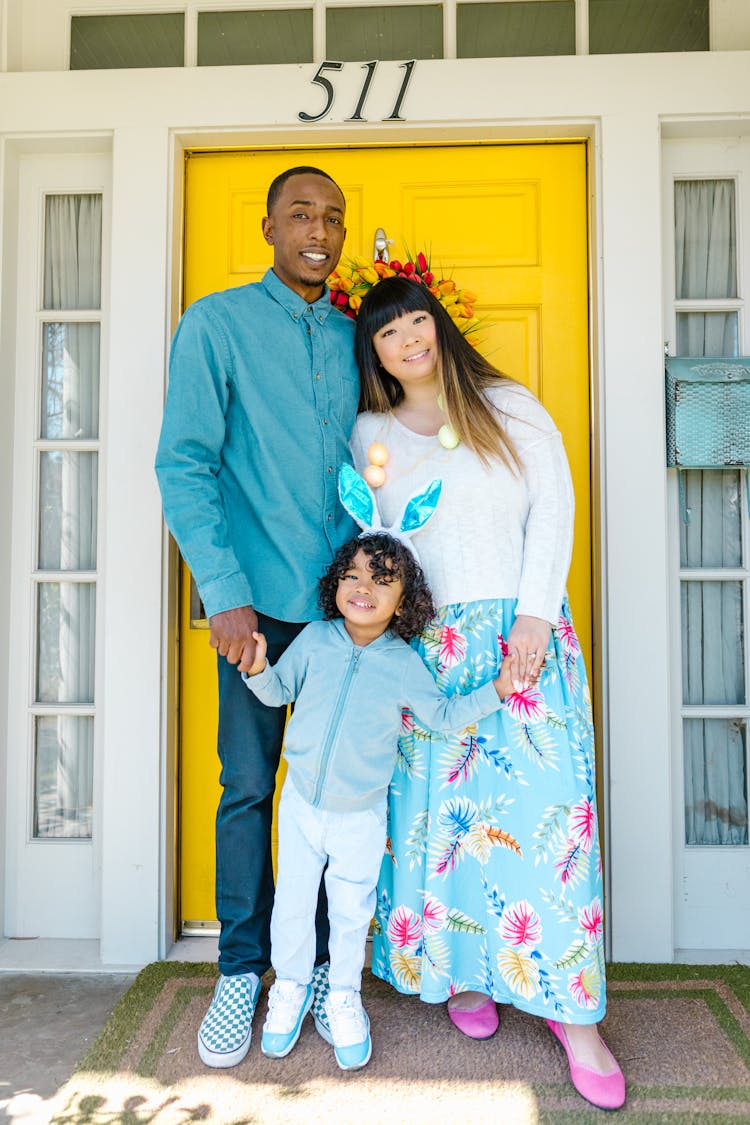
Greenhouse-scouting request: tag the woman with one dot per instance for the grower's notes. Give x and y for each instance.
(492, 889)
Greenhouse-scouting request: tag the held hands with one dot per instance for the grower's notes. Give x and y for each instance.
(234, 634)
(528, 640)
(507, 677)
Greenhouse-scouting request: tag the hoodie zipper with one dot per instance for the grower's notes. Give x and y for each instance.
(333, 725)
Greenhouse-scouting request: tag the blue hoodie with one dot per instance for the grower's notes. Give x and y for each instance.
(340, 743)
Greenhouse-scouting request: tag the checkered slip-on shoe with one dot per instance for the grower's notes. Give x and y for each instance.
(321, 988)
(224, 1035)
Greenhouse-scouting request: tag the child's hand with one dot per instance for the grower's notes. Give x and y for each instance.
(507, 680)
(259, 660)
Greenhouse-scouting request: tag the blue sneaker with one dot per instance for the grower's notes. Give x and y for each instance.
(350, 1029)
(288, 1004)
(224, 1034)
(321, 988)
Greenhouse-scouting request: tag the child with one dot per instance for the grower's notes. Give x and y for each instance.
(350, 676)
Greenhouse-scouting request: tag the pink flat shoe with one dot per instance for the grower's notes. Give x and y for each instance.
(606, 1091)
(477, 1023)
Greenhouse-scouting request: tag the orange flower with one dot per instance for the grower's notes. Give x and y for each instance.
(355, 276)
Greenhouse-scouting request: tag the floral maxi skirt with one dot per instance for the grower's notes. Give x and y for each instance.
(492, 876)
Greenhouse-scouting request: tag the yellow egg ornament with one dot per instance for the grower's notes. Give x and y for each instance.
(377, 454)
(448, 437)
(374, 475)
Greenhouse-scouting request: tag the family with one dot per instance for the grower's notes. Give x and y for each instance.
(440, 750)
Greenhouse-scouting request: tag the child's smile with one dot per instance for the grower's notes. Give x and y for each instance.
(367, 602)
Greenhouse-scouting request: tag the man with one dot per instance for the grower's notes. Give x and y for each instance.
(263, 392)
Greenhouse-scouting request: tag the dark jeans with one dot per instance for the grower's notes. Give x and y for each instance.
(250, 737)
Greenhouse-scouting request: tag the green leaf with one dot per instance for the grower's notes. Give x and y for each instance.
(463, 924)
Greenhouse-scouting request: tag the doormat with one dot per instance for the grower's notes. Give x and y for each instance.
(680, 1032)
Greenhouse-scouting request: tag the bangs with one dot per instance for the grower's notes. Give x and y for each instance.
(390, 298)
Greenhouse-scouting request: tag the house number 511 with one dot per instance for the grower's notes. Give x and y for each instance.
(326, 84)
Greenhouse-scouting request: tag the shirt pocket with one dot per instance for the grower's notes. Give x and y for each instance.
(347, 399)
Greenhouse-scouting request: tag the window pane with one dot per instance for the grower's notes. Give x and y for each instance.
(73, 252)
(65, 642)
(625, 26)
(240, 38)
(714, 535)
(713, 666)
(705, 240)
(70, 381)
(498, 30)
(67, 510)
(364, 33)
(708, 334)
(715, 781)
(63, 777)
(115, 42)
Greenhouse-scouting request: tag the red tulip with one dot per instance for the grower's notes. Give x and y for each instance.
(409, 268)
(428, 278)
(396, 265)
(422, 263)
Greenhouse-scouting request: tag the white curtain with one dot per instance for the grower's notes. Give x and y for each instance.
(68, 516)
(713, 670)
(705, 264)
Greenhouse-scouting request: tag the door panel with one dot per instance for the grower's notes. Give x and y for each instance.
(508, 222)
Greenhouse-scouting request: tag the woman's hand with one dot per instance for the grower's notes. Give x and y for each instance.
(528, 640)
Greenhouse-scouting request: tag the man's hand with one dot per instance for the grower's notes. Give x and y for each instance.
(232, 634)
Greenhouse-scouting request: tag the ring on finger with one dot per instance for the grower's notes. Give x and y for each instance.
(532, 655)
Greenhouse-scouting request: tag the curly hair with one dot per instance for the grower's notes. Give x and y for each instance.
(388, 558)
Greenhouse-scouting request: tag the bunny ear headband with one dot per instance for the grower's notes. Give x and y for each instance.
(359, 500)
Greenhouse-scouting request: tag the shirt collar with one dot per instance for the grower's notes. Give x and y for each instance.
(385, 639)
(295, 305)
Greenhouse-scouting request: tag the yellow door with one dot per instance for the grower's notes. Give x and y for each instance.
(508, 222)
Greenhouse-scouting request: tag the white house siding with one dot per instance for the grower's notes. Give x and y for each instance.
(144, 119)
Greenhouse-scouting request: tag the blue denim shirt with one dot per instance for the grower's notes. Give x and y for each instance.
(263, 393)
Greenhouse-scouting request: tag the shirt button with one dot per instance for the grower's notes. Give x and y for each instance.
(309, 330)
(325, 421)
(330, 468)
(317, 374)
(309, 308)
(329, 516)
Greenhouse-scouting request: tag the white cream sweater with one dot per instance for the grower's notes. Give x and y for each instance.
(494, 534)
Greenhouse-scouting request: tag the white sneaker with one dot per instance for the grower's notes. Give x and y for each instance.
(350, 1029)
(288, 1004)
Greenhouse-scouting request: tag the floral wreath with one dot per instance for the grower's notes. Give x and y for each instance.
(356, 276)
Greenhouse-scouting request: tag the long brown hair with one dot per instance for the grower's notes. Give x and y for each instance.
(463, 374)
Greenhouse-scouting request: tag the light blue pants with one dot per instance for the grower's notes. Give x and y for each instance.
(352, 845)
